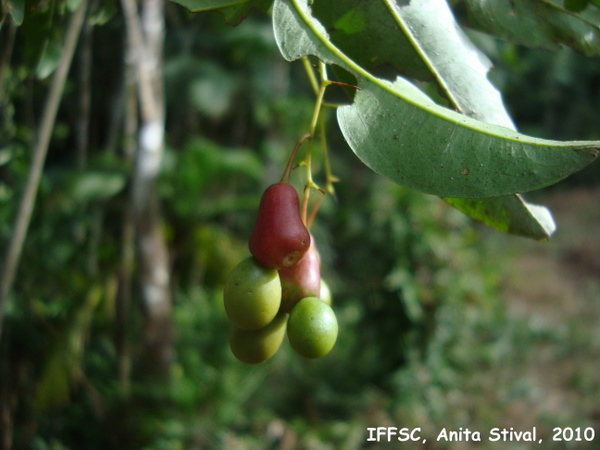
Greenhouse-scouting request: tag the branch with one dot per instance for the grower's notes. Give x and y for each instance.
(40, 150)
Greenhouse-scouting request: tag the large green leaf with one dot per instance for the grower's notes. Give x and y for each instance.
(367, 33)
(421, 39)
(541, 23)
(234, 10)
(399, 132)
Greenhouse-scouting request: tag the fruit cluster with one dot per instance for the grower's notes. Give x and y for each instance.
(279, 287)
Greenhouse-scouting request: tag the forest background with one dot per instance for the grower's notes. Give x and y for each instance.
(443, 322)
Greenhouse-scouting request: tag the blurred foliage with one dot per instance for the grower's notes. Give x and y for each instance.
(415, 293)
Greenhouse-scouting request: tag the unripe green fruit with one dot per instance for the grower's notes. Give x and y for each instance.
(252, 295)
(279, 238)
(253, 347)
(312, 328)
(301, 280)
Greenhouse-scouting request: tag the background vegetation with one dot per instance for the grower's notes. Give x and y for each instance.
(442, 323)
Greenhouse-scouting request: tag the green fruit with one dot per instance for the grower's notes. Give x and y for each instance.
(279, 238)
(252, 295)
(253, 347)
(575, 5)
(325, 293)
(312, 328)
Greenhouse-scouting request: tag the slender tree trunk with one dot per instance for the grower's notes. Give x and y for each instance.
(145, 39)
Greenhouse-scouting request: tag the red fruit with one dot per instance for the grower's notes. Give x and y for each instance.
(301, 280)
(279, 238)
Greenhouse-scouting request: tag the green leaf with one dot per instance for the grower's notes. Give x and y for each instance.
(367, 33)
(50, 58)
(509, 214)
(399, 132)
(539, 24)
(96, 185)
(234, 10)
(460, 70)
(213, 89)
(421, 40)
(298, 34)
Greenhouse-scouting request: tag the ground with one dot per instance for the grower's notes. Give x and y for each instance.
(552, 292)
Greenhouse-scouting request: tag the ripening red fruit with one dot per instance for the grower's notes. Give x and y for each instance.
(279, 238)
(301, 280)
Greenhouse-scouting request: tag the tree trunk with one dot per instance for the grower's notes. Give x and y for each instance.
(145, 39)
